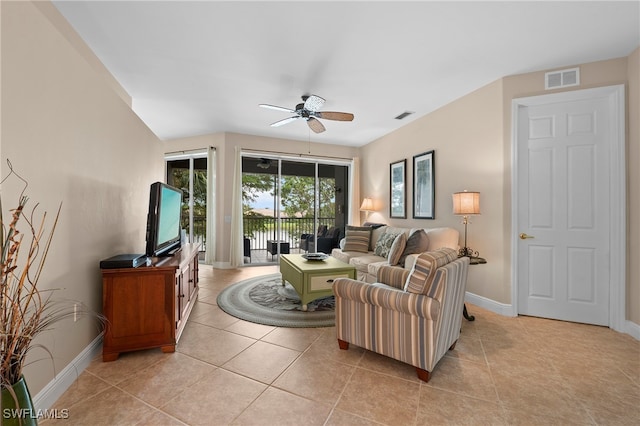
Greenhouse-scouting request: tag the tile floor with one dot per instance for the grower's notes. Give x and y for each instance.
(520, 371)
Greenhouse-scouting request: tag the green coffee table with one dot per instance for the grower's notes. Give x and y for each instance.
(313, 279)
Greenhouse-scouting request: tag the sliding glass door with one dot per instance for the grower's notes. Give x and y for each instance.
(287, 200)
(189, 173)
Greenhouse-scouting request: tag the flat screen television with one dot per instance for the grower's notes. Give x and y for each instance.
(163, 220)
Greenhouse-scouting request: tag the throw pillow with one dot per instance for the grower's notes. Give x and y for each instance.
(331, 232)
(322, 230)
(357, 238)
(397, 249)
(373, 224)
(384, 243)
(421, 275)
(417, 242)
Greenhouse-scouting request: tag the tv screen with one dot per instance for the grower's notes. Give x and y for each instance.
(163, 220)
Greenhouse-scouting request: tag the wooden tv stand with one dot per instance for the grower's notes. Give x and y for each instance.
(148, 306)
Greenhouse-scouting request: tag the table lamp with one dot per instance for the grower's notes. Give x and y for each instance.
(465, 204)
(367, 206)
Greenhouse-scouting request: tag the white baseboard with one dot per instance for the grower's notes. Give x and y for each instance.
(632, 329)
(45, 399)
(490, 305)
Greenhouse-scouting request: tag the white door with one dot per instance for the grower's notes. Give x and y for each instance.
(563, 174)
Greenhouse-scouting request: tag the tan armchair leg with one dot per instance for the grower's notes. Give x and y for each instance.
(453, 346)
(423, 375)
(343, 345)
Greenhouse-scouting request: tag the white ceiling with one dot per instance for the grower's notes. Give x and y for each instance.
(195, 68)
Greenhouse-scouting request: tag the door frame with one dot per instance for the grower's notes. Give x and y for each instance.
(191, 156)
(617, 192)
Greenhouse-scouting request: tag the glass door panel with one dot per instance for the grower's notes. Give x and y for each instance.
(298, 204)
(285, 202)
(259, 185)
(190, 175)
(327, 192)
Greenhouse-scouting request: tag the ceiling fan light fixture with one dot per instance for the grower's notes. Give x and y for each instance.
(313, 103)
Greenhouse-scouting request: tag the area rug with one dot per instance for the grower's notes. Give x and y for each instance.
(264, 300)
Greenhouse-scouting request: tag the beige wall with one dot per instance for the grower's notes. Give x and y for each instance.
(472, 142)
(76, 141)
(467, 138)
(225, 144)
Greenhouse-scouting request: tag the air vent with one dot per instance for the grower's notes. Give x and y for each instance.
(563, 78)
(404, 115)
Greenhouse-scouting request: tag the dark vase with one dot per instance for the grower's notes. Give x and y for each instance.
(21, 413)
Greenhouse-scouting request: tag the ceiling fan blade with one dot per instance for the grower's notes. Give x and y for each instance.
(285, 121)
(277, 108)
(313, 103)
(332, 115)
(315, 125)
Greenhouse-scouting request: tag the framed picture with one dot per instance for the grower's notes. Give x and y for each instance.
(424, 186)
(398, 189)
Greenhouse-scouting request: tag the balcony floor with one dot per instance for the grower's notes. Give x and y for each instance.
(263, 257)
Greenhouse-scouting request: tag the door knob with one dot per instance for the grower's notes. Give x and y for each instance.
(524, 236)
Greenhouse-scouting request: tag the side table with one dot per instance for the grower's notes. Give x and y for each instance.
(472, 261)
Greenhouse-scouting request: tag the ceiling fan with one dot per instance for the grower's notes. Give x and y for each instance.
(309, 110)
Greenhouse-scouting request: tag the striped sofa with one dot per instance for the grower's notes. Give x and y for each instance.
(412, 316)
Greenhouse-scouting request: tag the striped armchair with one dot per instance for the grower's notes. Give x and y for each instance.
(412, 316)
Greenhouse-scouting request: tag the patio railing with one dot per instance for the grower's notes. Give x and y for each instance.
(261, 229)
(199, 229)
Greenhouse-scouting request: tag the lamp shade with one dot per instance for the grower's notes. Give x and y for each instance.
(367, 205)
(465, 203)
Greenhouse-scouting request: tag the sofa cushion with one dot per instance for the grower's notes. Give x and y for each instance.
(417, 242)
(357, 238)
(346, 256)
(374, 268)
(421, 275)
(397, 249)
(384, 243)
(361, 263)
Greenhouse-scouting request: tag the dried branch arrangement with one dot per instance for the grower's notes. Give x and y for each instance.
(25, 311)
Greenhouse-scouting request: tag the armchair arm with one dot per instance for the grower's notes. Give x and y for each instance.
(387, 298)
(393, 275)
(305, 241)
